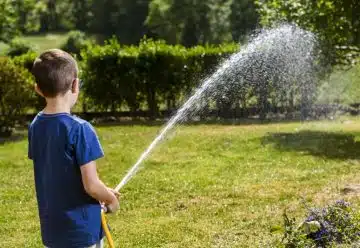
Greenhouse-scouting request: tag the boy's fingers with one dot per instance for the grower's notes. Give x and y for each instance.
(116, 193)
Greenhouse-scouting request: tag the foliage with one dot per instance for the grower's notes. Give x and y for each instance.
(19, 16)
(191, 22)
(18, 47)
(125, 19)
(336, 22)
(8, 18)
(336, 224)
(243, 18)
(76, 41)
(82, 14)
(145, 74)
(57, 16)
(29, 14)
(341, 87)
(16, 94)
(26, 61)
(186, 22)
(154, 75)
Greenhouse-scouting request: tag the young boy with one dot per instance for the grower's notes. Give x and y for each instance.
(64, 149)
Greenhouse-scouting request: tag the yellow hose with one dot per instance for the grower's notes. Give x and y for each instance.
(106, 230)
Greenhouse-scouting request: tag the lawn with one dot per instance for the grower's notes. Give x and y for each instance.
(42, 42)
(207, 186)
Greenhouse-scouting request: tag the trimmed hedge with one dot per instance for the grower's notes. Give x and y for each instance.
(147, 75)
(155, 78)
(144, 77)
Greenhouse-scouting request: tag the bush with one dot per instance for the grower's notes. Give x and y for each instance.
(145, 75)
(337, 224)
(18, 47)
(26, 61)
(76, 41)
(16, 94)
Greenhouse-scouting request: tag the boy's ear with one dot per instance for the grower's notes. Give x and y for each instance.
(75, 86)
(37, 89)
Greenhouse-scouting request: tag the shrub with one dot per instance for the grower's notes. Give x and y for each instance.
(18, 47)
(76, 41)
(16, 94)
(148, 74)
(337, 224)
(26, 61)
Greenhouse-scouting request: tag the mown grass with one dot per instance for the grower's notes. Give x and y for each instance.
(207, 186)
(41, 42)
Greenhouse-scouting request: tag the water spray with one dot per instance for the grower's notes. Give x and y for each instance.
(283, 54)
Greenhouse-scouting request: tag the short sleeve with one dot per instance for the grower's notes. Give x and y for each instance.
(87, 145)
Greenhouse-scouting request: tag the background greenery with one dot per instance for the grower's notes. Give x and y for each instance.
(215, 185)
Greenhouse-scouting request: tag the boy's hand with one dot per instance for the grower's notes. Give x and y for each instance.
(114, 205)
(117, 194)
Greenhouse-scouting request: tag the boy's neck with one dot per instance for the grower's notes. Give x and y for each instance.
(57, 105)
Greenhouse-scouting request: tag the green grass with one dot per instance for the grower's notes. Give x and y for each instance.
(207, 186)
(48, 41)
(42, 42)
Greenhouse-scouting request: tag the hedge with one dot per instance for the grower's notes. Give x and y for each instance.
(147, 75)
(144, 77)
(156, 78)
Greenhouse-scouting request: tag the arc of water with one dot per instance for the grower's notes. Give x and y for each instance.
(259, 54)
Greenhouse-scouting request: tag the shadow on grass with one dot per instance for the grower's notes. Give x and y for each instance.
(13, 138)
(323, 144)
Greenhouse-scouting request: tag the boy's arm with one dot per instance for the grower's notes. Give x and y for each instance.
(87, 150)
(96, 188)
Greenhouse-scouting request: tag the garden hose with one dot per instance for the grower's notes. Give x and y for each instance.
(106, 229)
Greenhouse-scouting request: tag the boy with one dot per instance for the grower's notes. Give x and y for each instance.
(64, 149)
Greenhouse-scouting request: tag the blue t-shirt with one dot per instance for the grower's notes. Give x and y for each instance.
(59, 144)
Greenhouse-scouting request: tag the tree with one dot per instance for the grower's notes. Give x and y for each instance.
(123, 18)
(82, 14)
(130, 21)
(244, 18)
(58, 16)
(29, 13)
(105, 15)
(191, 22)
(8, 20)
(161, 23)
(335, 21)
(19, 16)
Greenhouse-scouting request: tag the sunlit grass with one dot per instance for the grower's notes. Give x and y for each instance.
(207, 186)
(41, 42)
